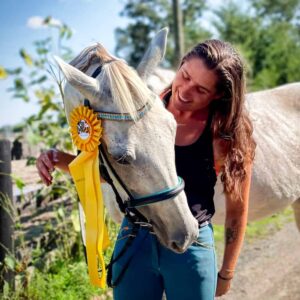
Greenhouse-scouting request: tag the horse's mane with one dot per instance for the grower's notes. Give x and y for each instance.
(127, 89)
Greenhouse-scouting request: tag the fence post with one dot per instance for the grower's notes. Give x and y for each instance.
(6, 220)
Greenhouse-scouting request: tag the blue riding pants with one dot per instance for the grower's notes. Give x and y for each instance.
(154, 269)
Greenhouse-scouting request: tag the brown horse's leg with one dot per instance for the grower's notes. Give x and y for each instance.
(296, 208)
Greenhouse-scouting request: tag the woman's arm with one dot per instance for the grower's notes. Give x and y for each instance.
(235, 227)
(51, 159)
(62, 160)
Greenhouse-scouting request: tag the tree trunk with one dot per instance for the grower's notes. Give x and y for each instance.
(6, 220)
(178, 30)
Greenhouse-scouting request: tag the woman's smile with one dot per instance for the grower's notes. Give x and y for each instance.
(182, 99)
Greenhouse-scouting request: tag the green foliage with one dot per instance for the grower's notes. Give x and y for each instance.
(260, 228)
(150, 16)
(62, 281)
(33, 82)
(18, 182)
(267, 33)
(277, 10)
(59, 273)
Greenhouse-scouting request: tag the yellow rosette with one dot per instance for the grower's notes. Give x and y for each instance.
(86, 132)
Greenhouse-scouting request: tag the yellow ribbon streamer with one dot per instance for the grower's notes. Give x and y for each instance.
(86, 132)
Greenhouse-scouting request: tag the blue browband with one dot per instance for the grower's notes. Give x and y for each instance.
(117, 116)
(124, 116)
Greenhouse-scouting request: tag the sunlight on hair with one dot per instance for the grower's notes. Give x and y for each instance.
(86, 57)
(128, 90)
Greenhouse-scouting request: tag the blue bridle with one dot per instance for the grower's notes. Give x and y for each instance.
(132, 202)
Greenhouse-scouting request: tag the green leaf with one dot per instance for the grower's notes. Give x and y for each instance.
(26, 57)
(39, 80)
(42, 51)
(31, 161)
(61, 213)
(24, 97)
(16, 71)
(47, 20)
(18, 182)
(19, 84)
(31, 119)
(10, 262)
(6, 290)
(75, 220)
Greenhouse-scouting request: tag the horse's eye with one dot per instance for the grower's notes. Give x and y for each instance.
(125, 159)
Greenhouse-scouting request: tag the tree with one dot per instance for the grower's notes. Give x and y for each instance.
(267, 34)
(147, 17)
(277, 10)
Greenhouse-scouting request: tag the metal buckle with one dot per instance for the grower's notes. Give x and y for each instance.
(143, 224)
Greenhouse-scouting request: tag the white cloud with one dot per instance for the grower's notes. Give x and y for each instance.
(37, 22)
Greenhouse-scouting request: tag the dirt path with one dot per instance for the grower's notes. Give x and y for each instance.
(269, 268)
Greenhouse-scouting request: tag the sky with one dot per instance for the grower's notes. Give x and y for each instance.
(90, 20)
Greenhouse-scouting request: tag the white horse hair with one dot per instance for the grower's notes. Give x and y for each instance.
(141, 151)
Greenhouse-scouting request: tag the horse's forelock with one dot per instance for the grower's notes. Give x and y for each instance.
(94, 54)
(128, 90)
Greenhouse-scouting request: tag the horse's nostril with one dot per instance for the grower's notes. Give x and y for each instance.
(175, 247)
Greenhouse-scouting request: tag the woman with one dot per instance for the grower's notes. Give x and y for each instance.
(214, 135)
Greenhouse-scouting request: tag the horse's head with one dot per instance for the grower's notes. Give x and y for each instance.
(142, 149)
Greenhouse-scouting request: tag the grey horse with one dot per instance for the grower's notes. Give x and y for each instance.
(140, 150)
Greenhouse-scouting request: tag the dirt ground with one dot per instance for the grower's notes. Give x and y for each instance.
(269, 268)
(28, 174)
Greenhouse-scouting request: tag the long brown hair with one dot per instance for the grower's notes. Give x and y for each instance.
(230, 123)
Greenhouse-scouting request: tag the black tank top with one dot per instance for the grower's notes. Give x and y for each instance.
(195, 164)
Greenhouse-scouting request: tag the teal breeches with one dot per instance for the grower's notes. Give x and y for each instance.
(151, 269)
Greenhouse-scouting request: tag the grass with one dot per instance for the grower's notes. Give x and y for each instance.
(65, 280)
(260, 228)
(63, 274)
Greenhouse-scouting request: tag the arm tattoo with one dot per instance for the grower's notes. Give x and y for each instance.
(231, 232)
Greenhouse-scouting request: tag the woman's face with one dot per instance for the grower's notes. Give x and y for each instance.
(194, 86)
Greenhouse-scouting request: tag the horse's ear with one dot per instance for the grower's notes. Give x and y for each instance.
(85, 84)
(154, 54)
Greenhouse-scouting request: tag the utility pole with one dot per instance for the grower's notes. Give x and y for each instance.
(178, 30)
(6, 220)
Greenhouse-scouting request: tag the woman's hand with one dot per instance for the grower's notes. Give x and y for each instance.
(45, 164)
(223, 286)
